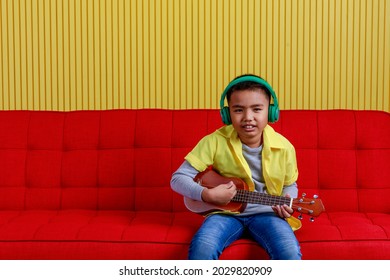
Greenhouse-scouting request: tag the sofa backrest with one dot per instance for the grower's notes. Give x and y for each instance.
(106, 160)
(124, 159)
(343, 156)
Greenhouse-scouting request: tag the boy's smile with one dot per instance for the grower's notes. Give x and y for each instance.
(249, 115)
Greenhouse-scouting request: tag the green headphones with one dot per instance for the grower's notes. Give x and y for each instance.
(273, 109)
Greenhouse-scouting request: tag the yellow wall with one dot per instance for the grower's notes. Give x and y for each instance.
(102, 54)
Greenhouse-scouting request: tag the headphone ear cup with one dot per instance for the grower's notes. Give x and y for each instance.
(225, 115)
(273, 113)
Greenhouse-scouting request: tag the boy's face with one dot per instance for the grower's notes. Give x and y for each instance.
(249, 115)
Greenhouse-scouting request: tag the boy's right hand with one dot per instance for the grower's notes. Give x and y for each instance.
(220, 195)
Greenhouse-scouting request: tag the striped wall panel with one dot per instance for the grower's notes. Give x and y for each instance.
(102, 54)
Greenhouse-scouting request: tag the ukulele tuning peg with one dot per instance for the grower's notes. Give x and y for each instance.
(303, 194)
(315, 196)
(311, 219)
(300, 217)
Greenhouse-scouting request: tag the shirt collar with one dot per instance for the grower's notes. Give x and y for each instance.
(270, 137)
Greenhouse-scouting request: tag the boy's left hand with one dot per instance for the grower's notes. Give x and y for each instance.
(283, 211)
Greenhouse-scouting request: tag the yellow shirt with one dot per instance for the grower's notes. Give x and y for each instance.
(223, 150)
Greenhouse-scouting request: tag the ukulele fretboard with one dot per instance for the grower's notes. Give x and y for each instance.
(261, 198)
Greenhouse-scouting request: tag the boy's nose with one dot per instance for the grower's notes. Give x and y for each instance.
(248, 116)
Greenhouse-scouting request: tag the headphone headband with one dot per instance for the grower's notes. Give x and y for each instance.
(273, 115)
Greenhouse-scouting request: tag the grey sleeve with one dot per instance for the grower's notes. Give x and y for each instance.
(182, 182)
(292, 190)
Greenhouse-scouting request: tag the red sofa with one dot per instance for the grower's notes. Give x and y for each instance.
(96, 184)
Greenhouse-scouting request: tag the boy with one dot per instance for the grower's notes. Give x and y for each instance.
(248, 148)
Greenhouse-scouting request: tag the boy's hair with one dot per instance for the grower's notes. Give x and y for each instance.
(245, 86)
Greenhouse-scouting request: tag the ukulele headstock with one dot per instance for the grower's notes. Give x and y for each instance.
(310, 206)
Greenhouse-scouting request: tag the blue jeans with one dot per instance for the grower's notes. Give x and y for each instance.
(218, 231)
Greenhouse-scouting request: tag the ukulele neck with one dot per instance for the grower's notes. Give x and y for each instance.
(261, 198)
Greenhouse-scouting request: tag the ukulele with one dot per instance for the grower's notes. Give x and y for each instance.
(210, 179)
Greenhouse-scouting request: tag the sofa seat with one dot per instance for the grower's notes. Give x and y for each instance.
(84, 234)
(332, 236)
